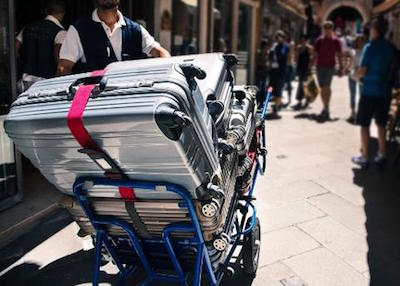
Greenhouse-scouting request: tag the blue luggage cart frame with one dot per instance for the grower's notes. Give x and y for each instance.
(202, 259)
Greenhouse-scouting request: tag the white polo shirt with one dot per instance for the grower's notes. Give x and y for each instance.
(72, 49)
(58, 40)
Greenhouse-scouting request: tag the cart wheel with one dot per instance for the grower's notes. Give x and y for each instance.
(251, 248)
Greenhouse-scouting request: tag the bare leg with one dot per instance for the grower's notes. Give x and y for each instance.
(323, 96)
(364, 141)
(382, 140)
(326, 97)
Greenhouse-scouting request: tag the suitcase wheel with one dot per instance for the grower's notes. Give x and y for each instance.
(251, 248)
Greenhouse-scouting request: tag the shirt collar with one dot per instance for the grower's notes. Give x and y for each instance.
(121, 21)
(54, 20)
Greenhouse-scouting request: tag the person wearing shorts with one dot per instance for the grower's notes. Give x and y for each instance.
(325, 76)
(278, 57)
(326, 48)
(376, 61)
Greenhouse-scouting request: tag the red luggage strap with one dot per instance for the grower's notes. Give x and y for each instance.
(82, 136)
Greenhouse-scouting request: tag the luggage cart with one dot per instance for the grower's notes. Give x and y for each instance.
(131, 251)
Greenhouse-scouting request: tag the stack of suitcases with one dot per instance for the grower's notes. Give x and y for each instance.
(180, 120)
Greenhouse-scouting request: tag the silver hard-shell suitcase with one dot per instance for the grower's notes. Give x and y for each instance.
(156, 214)
(133, 120)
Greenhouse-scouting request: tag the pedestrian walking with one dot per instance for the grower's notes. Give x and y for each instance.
(262, 71)
(291, 61)
(304, 56)
(105, 37)
(352, 69)
(376, 71)
(278, 57)
(38, 45)
(326, 48)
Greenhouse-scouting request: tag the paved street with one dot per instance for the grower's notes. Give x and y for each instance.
(324, 222)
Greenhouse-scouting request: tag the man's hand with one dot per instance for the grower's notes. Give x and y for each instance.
(362, 72)
(64, 67)
(160, 52)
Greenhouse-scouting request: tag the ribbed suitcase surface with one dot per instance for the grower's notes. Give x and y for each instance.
(124, 121)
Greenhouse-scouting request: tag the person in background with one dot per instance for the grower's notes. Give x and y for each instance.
(326, 48)
(341, 39)
(352, 69)
(105, 37)
(377, 60)
(38, 46)
(262, 71)
(290, 66)
(303, 69)
(348, 38)
(278, 57)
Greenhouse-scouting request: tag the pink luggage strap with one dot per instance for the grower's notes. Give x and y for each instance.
(82, 136)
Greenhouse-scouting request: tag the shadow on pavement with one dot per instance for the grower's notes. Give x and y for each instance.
(240, 278)
(314, 117)
(272, 116)
(74, 269)
(381, 191)
(51, 224)
(70, 270)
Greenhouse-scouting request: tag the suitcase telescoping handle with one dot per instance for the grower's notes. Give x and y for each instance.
(99, 81)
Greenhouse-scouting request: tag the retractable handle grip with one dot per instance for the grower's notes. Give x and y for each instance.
(231, 60)
(99, 81)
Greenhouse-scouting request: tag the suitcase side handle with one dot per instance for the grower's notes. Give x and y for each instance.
(99, 81)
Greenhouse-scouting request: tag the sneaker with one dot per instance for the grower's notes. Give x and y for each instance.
(360, 161)
(380, 160)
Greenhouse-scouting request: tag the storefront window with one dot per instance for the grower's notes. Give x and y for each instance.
(185, 27)
(222, 26)
(8, 188)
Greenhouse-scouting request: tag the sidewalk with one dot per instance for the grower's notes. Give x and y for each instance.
(324, 222)
(40, 198)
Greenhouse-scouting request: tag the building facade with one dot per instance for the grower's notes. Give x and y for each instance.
(286, 15)
(390, 10)
(181, 26)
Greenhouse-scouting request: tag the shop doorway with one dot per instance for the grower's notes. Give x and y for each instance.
(244, 47)
(222, 33)
(10, 194)
(347, 19)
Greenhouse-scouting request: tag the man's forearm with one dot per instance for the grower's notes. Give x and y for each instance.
(64, 67)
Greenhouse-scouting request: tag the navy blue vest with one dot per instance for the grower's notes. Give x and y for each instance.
(97, 46)
(38, 49)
